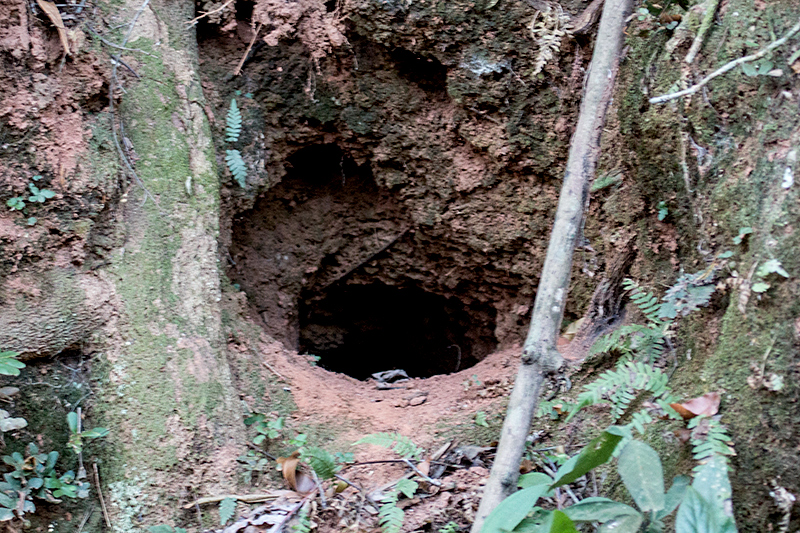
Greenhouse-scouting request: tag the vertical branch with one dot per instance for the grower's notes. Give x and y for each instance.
(539, 355)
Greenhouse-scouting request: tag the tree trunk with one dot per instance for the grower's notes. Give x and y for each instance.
(169, 399)
(539, 354)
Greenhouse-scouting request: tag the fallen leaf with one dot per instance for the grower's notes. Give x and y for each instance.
(707, 404)
(54, 15)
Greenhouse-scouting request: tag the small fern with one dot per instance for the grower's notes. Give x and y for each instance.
(237, 166)
(227, 508)
(401, 445)
(709, 439)
(621, 386)
(645, 301)
(323, 463)
(234, 123)
(390, 516)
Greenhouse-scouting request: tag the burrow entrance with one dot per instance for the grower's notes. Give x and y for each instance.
(334, 268)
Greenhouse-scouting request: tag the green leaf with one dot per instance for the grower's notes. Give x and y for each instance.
(749, 69)
(72, 421)
(160, 529)
(407, 487)
(598, 510)
(596, 453)
(533, 478)
(513, 509)
(252, 419)
(480, 419)
(237, 166)
(9, 366)
(760, 286)
(694, 514)
(773, 266)
(622, 524)
(713, 485)
(674, 496)
(641, 471)
(95, 433)
(6, 514)
(234, 122)
(35, 483)
(226, 509)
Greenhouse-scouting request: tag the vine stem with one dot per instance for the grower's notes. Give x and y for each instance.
(727, 67)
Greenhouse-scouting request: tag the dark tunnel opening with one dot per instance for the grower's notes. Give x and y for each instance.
(362, 329)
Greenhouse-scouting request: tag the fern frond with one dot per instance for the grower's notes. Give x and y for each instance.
(237, 166)
(390, 516)
(401, 445)
(234, 122)
(304, 524)
(621, 386)
(646, 302)
(321, 461)
(709, 438)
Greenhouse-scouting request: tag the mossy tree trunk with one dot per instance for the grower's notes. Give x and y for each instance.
(169, 399)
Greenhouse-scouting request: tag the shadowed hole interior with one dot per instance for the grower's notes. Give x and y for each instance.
(361, 329)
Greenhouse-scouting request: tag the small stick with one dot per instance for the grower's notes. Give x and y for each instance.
(85, 518)
(246, 498)
(273, 370)
(725, 68)
(247, 52)
(109, 43)
(100, 494)
(217, 10)
(420, 474)
(127, 66)
(701, 33)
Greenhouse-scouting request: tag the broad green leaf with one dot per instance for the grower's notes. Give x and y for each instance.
(6, 514)
(596, 453)
(95, 433)
(622, 524)
(749, 69)
(560, 523)
(674, 495)
(160, 529)
(694, 514)
(546, 522)
(35, 483)
(533, 478)
(227, 508)
(760, 286)
(712, 484)
(513, 509)
(7, 501)
(640, 470)
(598, 510)
(72, 421)
(773, 266)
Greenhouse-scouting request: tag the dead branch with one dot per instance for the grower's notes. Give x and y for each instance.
(209, 13)
(727, 67)
(247, 52)
(539, 355)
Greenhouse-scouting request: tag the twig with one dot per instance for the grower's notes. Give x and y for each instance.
(701, 33)
(420, 474)
(81, 469)
(273, 370)
(725, 68)
(109, 43)
(127, 66)
(247, 52)
(100, 495)
(85, 518)
(319, 488)
(246, 498)
(206, 14)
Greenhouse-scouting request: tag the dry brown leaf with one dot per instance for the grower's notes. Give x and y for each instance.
(424, 467)
(707, 404)
(297, 480)
(55, 17)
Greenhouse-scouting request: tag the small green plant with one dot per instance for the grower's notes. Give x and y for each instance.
(321, 461)
(227, 508)
(743, 232)
(78, 437)
(773, 266)
(234, 123)
(233, 158)
(703, 506)
(35, 476)
(254, 462)
(450, 527)
(480, 419)
(39, 195)
(663, 211)
(267, 429)
(16, 204)
(304, 524)
(401, 445)
(390, 516)
(9, 365)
